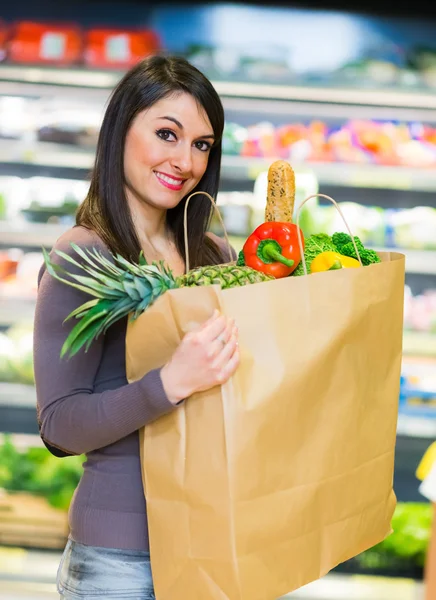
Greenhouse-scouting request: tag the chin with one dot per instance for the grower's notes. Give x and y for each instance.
(170, 203)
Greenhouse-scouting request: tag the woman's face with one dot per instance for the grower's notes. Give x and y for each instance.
(167, 149)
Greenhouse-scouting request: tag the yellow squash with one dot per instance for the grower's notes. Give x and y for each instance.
(330, 261)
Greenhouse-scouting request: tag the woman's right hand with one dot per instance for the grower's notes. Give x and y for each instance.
(205, 358)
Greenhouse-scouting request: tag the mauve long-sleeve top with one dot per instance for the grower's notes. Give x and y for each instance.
(86, 406)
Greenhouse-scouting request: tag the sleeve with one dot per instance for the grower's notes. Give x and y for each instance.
(71, 415)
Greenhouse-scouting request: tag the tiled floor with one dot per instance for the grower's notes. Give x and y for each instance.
(30, 576)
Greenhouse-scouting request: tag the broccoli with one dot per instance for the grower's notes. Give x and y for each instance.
(345, 246)
(340, 239)
(241, 259)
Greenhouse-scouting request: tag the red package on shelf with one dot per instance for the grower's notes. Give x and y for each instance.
(44, 43)
(118, 48)
(3, 39)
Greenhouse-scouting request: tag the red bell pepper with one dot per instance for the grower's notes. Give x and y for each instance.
(273, 249)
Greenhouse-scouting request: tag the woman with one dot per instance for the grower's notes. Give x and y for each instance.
(160, 140)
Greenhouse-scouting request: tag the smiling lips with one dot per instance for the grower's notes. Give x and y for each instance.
(173, 183)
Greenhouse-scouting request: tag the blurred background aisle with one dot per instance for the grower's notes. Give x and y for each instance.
(31, 576)
(348, 98)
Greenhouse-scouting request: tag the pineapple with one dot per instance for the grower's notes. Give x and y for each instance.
(121, 288)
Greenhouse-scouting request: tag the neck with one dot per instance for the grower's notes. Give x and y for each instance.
(149, 222)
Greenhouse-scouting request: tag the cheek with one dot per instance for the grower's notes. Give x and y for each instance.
(139, 153)
(201, 165)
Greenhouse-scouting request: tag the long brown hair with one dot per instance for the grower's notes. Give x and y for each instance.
(105, 209)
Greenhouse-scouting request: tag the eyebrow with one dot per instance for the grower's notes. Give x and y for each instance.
(180, 126)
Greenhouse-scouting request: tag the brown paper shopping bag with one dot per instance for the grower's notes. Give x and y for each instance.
(264, 484)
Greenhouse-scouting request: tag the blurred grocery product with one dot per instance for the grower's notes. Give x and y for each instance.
(35, 492)
(51, 200)
(16, 354)
(40, 199)
(9, 260)
(74, 125)
(13, 197)
(45, 43)
(412, 228)
(17, 116)
(420, 310)
(36, 471)
(4, 32)
(254, 62)
(119, 48)
(367, 222)
(22, 282)
(354, 141)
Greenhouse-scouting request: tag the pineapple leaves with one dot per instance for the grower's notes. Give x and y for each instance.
(54, 269)
(119, 288)
(88, 325)
(81, 310)
(142, 260)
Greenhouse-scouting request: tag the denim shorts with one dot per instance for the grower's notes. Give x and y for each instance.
(91, 573)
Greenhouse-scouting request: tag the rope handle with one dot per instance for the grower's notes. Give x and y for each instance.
(300, 241)
(185, 225)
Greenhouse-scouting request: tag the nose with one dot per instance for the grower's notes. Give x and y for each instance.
(182, 158)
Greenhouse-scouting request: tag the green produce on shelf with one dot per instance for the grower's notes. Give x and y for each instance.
(407, 545)
(16, 354)
(36, 471)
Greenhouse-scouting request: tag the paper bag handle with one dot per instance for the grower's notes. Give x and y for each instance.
(185, 225)
(300, 241)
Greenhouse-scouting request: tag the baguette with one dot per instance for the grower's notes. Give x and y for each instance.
(281, 192)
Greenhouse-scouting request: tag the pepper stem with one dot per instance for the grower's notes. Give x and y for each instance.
(336, 265)
(270, 251)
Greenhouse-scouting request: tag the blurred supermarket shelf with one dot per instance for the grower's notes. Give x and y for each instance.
(60, 76)
(45, 154)
(339, 174)
(234, 168)
(18, 410)
(416, 427)
(89, 79)
(17, 394)
(394, 98)
(417, 261)
(15, 309)
(421, 343)
(27, 234)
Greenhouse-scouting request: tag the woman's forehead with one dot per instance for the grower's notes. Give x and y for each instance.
(181, 106)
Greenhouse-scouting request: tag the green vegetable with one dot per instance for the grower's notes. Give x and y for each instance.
(408, 543)
(241, 259)
(36, 471)
(314, 245)
(345, 246)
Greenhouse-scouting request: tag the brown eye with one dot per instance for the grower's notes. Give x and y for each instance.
(203, 146)
(166, 134)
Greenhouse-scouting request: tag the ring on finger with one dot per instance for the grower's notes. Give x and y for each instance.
(222, 340)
